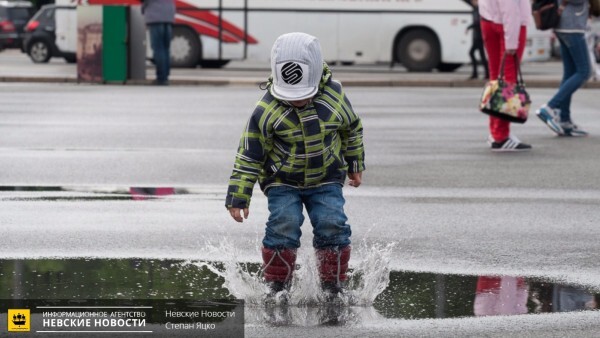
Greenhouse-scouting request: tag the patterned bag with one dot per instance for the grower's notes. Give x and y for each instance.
(508, 101)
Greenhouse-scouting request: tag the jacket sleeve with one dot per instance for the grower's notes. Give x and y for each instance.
(255, 143)
(352, 137)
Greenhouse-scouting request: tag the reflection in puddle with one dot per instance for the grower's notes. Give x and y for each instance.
(408, 295)
(502, 295)
(324, 314)
(56, 193)
(143, 193)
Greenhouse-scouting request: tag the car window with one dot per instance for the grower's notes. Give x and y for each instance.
(19, 13)
(2, 13)
(49, 15)
(45, 16)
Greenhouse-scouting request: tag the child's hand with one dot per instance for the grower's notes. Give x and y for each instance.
(355, 179)
(236, 214)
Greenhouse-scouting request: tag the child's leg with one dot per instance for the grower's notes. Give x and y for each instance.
(282, 235)
(325, 207)
(285, 218)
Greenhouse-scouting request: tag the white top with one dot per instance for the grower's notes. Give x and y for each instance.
(512, 14)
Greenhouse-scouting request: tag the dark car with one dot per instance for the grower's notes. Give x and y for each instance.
(44, 40)
(13, 17)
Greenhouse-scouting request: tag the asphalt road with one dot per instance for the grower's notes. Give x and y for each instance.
(431, 186)
(427, 159)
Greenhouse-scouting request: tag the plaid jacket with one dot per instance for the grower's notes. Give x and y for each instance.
(298, 147)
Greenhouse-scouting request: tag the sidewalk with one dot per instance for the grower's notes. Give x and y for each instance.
(16, 67)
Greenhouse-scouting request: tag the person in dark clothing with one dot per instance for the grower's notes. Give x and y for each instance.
(159, 16)
(477, 43)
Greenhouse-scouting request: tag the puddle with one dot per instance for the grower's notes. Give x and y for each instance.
(56, 193)
(377, 293)
(408, 295)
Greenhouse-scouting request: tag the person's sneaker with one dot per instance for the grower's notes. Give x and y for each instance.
(571, 129)
(551, 118)
(512, 143)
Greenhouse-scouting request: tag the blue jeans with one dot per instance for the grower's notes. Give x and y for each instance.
(325, 208)
(160, 40)
(576, 71)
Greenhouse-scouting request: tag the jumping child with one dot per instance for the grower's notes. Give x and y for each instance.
(300, 143)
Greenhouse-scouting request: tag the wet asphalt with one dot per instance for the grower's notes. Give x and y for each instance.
(432, 186)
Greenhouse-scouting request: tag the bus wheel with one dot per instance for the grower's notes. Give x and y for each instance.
(185, 48)
(418, 50)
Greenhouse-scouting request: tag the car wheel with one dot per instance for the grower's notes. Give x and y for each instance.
(418, 50)
(185, 48)
(39, 51)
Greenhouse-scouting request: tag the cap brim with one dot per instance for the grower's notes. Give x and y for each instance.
(289, 94)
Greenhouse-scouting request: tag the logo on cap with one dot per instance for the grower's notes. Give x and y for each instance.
(291, 73)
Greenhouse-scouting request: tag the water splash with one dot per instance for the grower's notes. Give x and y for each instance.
(368, 276)
(371, 275)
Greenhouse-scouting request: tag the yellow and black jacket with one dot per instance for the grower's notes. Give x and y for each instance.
(298, 147)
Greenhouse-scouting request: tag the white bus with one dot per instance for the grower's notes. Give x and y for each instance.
(419, 34)
(422, 35)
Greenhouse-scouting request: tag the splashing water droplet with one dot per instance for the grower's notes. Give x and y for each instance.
(369, 275)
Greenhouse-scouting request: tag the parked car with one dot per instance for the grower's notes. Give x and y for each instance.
(13, 17)
(44, 39)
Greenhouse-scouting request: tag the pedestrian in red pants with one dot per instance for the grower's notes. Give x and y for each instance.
(504, 30)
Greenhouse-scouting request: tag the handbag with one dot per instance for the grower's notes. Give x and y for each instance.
(545, 14)
(508, 101)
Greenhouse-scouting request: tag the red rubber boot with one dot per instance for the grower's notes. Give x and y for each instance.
(278, 268)
(333, 265)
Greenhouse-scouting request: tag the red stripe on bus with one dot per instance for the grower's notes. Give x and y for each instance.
(208, 31)
(210, 18)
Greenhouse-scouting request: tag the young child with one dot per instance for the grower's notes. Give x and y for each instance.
(301, 141)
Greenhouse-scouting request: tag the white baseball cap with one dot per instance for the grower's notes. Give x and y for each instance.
(297, 66)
